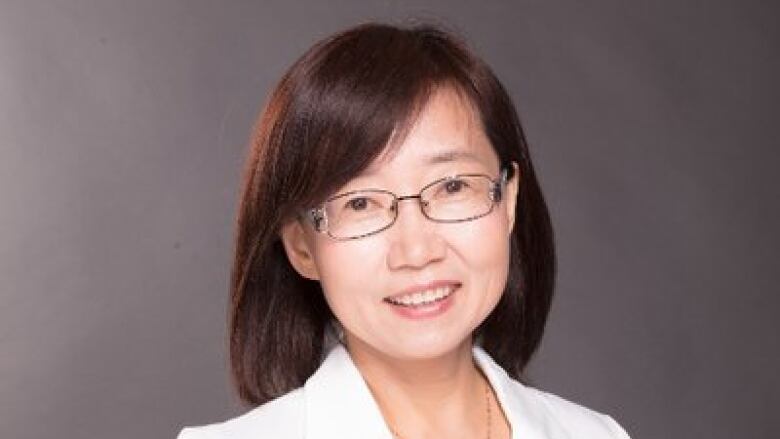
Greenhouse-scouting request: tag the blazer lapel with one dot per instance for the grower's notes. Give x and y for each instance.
(339, 404)
(528, 419)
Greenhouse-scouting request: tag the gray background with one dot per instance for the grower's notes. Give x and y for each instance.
(123, 127)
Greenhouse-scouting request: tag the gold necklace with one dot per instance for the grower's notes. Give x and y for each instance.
(488, 414)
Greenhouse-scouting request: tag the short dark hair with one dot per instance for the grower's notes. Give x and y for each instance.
(345, 101)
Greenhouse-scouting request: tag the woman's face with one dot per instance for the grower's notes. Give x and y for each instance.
(465, 262)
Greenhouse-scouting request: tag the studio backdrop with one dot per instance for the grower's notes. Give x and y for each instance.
(124, 125)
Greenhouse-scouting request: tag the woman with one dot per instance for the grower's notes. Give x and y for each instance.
(394, 261)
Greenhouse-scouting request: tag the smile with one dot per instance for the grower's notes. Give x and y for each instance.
(422, 298)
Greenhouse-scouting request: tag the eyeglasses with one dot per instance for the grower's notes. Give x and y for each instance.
(453, 199)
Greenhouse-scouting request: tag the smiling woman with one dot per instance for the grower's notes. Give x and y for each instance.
(394, 260)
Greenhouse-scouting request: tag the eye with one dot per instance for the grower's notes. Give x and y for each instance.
(454, 186)
(357, 204)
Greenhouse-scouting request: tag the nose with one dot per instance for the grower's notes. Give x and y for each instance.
(415, 241)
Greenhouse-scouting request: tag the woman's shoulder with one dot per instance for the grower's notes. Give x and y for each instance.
(536, 413)
(282, 417)
(574, 417)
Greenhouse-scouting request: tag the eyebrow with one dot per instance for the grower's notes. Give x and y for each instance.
(446, 156)
(452, 156)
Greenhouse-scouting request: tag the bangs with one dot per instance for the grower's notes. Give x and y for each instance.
(354, 98)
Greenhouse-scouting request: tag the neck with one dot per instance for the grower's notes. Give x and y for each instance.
(425, 395)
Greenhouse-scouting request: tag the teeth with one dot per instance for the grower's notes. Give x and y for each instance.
(423, 297)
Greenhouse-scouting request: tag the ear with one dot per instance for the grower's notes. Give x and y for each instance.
(298, 247)
(512, 187)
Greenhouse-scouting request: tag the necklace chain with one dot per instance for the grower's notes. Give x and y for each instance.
(488, 415)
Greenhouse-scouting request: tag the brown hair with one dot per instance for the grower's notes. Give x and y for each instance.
(343, 103)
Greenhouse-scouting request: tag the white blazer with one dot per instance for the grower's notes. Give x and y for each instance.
(335, 403)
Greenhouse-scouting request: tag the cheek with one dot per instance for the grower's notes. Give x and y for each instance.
(344, 269)
(483, 249)
(484, 244)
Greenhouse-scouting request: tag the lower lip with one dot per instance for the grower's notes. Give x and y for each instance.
(423, 312)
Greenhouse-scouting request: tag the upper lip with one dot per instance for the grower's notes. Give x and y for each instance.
(418, 288)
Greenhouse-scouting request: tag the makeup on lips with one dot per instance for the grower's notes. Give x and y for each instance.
(424, 301)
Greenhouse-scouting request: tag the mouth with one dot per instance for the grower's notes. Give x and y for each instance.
(423, 296)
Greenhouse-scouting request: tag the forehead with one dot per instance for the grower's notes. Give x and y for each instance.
(447, 129)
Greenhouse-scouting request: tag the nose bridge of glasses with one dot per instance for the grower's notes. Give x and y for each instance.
(422, 203)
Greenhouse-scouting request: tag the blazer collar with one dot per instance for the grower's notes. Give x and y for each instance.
(528, 418)
(339, 403)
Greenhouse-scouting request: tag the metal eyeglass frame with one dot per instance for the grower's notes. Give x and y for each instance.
(319, 218)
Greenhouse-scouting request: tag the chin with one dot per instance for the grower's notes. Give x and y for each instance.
(426, 348)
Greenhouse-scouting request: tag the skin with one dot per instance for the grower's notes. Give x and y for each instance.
(421, 372)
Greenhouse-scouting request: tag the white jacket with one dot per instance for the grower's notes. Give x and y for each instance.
(335, 403)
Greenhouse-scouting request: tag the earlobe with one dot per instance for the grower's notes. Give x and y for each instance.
(511, 191)
(298, 250)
